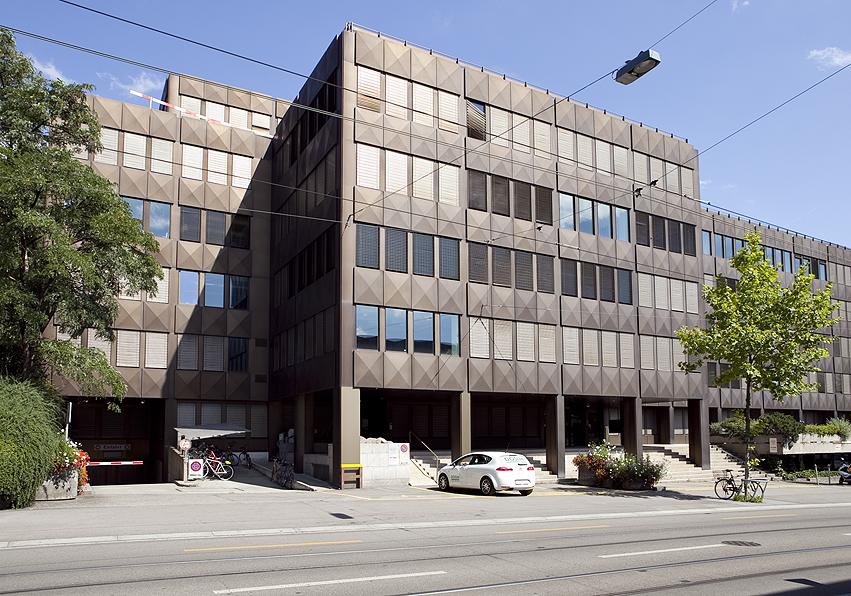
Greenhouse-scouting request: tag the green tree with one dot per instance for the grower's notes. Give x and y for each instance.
(68, 242)
(770, 336)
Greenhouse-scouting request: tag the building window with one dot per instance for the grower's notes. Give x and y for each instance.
(159, 220)
(238, 292)
(607, 284)
(476, 120)
(188, 287)
(501, 266)
(397, 97)
(523, 199)
(423, 255)
(367, 250)
(240, 231)
(448, 181)
(423, 332)
(161, 294)
(500, 203)
(642, 228)
(137, 210)
(367, 327)
(586, 215)
(396, 257)
(525, 341)
(450, 335)
(423, 99)
(477, 185)
(214, 353)
(544, 205)
(624, 286)
(217, 167)
(193, 162)
(569, 286)
(423, 186)
(622, 224)
(499, 128)
(479, 338)
(447, 111)
(503, 342)
(706, 241)
(674, 240)
(546, 276)
(523, 277)
(449, 259)
(589, 281)
(190, 224)
(604, 220)
(127, 353)
(659, 232)
(216, 228)
(565, 212)
(214, 290)
(478, 262)
(162, 153)
(187, 352)
(369, 89)
(367, 166)
(238, 354)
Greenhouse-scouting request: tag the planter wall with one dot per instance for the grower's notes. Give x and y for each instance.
(59, 487)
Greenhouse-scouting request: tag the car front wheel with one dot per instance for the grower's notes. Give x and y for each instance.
(443, 482)
(487, 486)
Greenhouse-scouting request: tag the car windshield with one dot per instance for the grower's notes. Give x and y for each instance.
(518, 460)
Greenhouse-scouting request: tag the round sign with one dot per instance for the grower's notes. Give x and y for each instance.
(404, 448)
(185, 444)
(195, 466)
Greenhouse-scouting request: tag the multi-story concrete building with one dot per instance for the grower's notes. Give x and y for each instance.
(428, 251)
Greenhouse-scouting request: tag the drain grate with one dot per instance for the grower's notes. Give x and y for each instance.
(740, 543)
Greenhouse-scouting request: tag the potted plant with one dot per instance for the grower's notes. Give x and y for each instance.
(68, 476)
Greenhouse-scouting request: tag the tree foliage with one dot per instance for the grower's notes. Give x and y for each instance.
(68, 242)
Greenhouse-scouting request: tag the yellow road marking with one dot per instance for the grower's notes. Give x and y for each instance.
(552, 529)
(194, 550)
(754, 516)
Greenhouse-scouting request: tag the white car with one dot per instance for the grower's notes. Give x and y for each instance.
(489, 471)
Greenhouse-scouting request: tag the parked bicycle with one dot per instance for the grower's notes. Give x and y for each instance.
(217, 467)
(244, 457)
(726, 487)
(283, 474)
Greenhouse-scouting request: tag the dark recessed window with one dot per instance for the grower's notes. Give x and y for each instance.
(423, 332)
(477, 185)
(367, 246)
(423, 255)
(523, 278)
(396, 243)
(216, 228)
(523, 201)
(240, 231)
(501, 266)
(642, 228)
(589, 281)
(546, 276)
(500, 203)
(190, 224)
(237, 354)
(449, 259)
(544, 205)
(238, 292)
(478, 262)
(569, 285)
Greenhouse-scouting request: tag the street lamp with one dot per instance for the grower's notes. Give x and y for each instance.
(637, 67)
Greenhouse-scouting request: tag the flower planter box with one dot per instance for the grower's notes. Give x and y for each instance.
(59, 487)
(587, 477)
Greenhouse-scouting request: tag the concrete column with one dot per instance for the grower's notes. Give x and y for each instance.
(633, 437)
(666, 424)
(346, 430)
(698, 433)
(554, 434)
(461, 421)
(303, 429)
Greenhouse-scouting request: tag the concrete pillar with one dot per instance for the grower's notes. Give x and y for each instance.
(461, 421)
(346, 430)
(303, 429)
(554, 434)
(698, 433)
(666, 424)
(633, 419)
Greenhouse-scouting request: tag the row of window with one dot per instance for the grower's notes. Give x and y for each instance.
(308, 125)
(424, 179)
(308, 266)
(655, 291)
(665, 234)
(422, 248)
(135, 151)
(254, 417)
(593, 217)
(396, 331)
(499, 191)
(501, 269)
(317, 187)
(309, 339)
(229, 114)
(217, 166)
(208, 289)
(217, 231)
(596, 282)
(128, 352)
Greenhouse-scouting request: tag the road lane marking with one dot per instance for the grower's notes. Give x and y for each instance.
(551, 529)
(664, 550)
(757, 516)
(330, 582)
(195, 550)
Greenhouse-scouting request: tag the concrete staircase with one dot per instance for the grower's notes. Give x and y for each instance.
(424, 461)
(681, 469)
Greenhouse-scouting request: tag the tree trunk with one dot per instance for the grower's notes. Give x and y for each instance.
(747, 434)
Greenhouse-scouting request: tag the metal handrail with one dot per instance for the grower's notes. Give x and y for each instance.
(423, 443)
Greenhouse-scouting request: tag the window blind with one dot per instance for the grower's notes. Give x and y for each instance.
(663, 353)
(217, 167)
(185, 414)
(193, 104)
(187, 352)
(261, 121)
(609, 345)
(478, 265)
(542, 139)
(214, 353)
(423, 178)
(367, 166)
(677, 295)
(499, 127)
(624, 286)
(590, 349)
(156, 350)
(423, 105)
(396, 243)
(423, 254)
(584, 150)
(569, 286)
(566, 140)
(688, 182)
(449, 259)
(546, 276)
(502, 340)
(479, 342)
(128, 348)
(674, 242)
(642, 228)
(211, 413)
(641, 168)
(259, 421)
(367, 246)
(104, 345)
(522, 133)
(241, 171)
(547, 343)
(657, 171)
(647, 345)
(193, 162)
(134, 151)
(448, 184)
(627, 346)
(477, 190)
(604, 155)
(523, 278)
(659, 232)
(216, 228)
(645, 290)
(190, 224)
(215, 111)
(369, 89)
(672, 178)
(589, 280)
(660, 292)
(162, 289)
(501, 266)
(570, 341)
(162, 154)
(544, 205)
(109, 153)
(397, 97)
(526, 342)
(607, 283)
(621, 155)
(239, 117)
(447, 111)
(396, 172)
(499, 196)
(236, 415)
(522, 201)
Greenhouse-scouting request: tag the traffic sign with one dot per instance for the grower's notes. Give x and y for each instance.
(185, 444)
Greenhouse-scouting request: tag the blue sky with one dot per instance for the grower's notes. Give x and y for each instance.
(735, 61)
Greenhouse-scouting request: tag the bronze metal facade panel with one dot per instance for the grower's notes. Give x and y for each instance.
(450, 223)
(134, 118)
(542, 107)
(164, 125)
(450, 76)
(476, 83)
(452, 372)
(423, 67)
(477, 156)
(239, 99)
(154, 383)
(161, 187)
(480, 376)
(368, 286)
(521, 99)
(368, 127)
(108, 111)
(397, 290)
(190, 255)
(157, 317)
(191, 193)
(603, 126)
(629, 382)
(592, 380)
(133, 183)
(502, 303)
(108, 171)
(399, 138)
(504, 376)
(397, 59)
(548, 378)
(499, 92)
(424, 293)
(610, 381)
(213, 385)
(647, 379)
(450, 296)
(238, 386)
(130, 314)
(397, 211)
(190, 86)
(193, 131)
(133, 378)
(218, 136)
(526, 306)
(368, 207)
(572, 379)
(369, 50)
(571, 313)
(187, 384)
(397, 370)
(527, 377)
(368, 369)
(424, 372)
(547, 308)
(621, 133)
(214, 321)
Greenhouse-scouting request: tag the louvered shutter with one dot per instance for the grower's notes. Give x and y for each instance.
(660, 292)
(584, 146)
(396, 172)
(647, 344)
(397, 97)
(627, 346)
(641, 168)
(691, 297)
(642, 228)
(500, 203)
(523, 278)
(109, 153)
(423, 178)
(193, 162)
(261, 121)
(319, 324)
(570, 345)
(544, 205)
(657, 172)
(369, 89)
(259, 421)
(590, 349)
(846, 384)
(448, 184)
(829, 385)
(449, 259)
(134, 151)
(185, 414)
(291, 346)
(689, 240)
(607, 283)
(124, 292)
(216, 228)
(128, 348)
(672, 178)
(547, 343)
(187, 352)
(77, 341)
(499, 127)
(239, 117)
(477, 185)
(526, 342)
(368, 168)
(522, 201)
(589, 280)
(478, 266)
(688, 182)
(522, 133)
(604, 156)
(309, 339)
(423, 254)
(542, 139)
(479, 342)
(447, 111)
(674, 244)
(367, 246)
(211, 413)
(215, 111)
(545, 265)
(503, 340)
(235, 414)
(569, 286)
(501, 266)
(621, 155)
(156, 350)
(193, 104)
(190, 224)
(645, 290)
(659, 232)
(214, 353)
(678, 354)
(162, 154)
(162, 289)
(624, 286)
(423, 105)
(609, 345)
(677, 295)
(241, 171)
(104, 345)
(565, 145)
(396, 242)
(217, 167)
(663, 353)
(708, 280)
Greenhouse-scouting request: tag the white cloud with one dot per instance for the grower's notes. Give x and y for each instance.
(729, 187)
(49, 70)
(830, 57)
(143, 83)
(737, 7)
(705, 182)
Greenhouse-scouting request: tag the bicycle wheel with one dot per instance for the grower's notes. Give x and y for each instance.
(226, 473)
(244, 460)
(724, 488)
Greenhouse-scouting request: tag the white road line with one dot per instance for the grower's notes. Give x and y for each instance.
(664, 550)
(329, 582)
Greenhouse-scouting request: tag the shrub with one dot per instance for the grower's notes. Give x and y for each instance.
(778, 423)
(843, 426)
(715, 428)
(28, 425)
(735, 426)
(624, 470)
(822, 429)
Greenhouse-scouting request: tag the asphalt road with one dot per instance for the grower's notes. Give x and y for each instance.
(248, 537)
